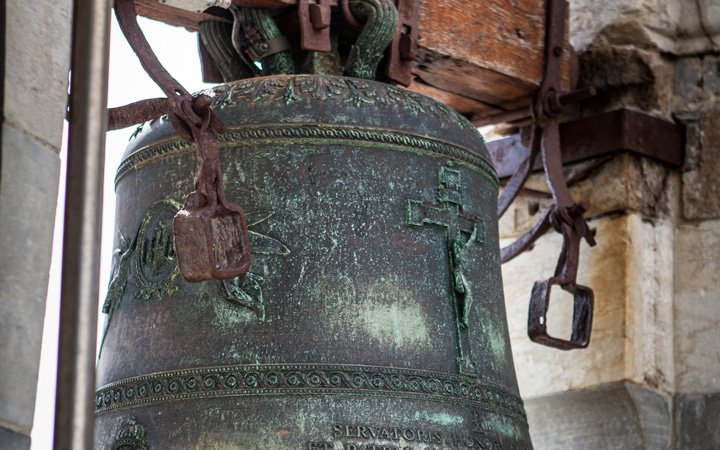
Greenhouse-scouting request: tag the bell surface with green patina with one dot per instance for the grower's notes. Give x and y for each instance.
(372, 316)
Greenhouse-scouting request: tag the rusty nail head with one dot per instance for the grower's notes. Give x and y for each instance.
(319, 16)
(408, 48)
(314, 25)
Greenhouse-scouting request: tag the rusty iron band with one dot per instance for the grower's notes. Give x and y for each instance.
(282, 133)
(307, 379)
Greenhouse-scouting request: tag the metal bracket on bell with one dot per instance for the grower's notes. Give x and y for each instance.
(211, 239)
(404, 47)
(583, 302)
(262, 49)
(314, 21)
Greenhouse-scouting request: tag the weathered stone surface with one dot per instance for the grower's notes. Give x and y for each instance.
(617, 416)
(688, 76)
(630, 271)
(649, 357)
(37, 61)
(588, 18)
(697, 311)
(626, 77)
(10, 440)
(629, 182)
(696, 84)
(654, 412)
(711, 74)
(616, 66)
(696, 421)
(26, 219)
(522, 215)
(672, 26)
(700, 187)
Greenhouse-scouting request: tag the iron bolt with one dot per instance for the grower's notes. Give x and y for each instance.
(408, 48)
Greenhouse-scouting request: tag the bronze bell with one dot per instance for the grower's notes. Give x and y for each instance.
(372, 315)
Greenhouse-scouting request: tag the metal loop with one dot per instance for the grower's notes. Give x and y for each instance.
(583, 310)
(349, 16)
(365, 55)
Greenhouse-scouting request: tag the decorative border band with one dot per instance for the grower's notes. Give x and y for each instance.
(282, 133)
(301, 379)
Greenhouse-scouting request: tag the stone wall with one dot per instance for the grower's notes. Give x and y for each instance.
(37, 55)
(650, 378)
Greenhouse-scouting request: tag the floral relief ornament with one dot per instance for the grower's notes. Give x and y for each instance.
(151, 261)
(131, 437)
(354, 91)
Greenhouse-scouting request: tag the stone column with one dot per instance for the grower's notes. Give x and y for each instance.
(37, 60)
(650, 378)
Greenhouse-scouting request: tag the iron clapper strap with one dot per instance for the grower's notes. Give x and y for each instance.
(566, 217)
(211, 236)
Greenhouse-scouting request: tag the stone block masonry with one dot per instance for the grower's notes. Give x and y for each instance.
(37, 60)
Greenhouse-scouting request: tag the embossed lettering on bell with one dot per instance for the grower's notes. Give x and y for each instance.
(372, 316)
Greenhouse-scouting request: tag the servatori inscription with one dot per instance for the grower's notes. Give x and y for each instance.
(370, 437)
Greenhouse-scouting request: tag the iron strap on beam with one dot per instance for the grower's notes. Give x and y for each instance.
(622, 130)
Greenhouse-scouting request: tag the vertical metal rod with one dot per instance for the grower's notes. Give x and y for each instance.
(2, 74)
(83, 216)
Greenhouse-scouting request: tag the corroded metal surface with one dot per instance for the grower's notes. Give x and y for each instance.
(372, 316)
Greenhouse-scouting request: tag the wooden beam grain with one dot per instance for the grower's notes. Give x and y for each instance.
(490, 51)
(153, 9)
(459, 103)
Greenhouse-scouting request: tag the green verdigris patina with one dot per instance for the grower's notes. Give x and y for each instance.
(449, 215)
(372, 316)
(380, 23)
(153, 264)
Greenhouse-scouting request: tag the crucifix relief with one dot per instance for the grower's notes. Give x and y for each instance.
(461, 230)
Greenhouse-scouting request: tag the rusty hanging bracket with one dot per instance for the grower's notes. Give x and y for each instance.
(404, 47)
(566, 216)
(211, 236)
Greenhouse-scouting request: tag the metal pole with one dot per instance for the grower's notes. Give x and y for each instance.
(2, 74)
(81, 260)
